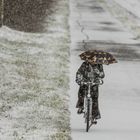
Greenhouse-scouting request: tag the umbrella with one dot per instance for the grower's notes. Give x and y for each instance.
(98, 57)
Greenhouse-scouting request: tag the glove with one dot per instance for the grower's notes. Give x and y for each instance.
(82, 83)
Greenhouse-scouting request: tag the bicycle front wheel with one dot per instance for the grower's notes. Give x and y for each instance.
(88, 115)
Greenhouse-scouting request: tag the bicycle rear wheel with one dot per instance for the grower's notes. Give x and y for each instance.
(88, 115)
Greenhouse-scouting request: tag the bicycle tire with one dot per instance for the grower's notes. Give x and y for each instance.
(88, 114)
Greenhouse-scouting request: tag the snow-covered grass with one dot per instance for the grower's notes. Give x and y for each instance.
(34, 81)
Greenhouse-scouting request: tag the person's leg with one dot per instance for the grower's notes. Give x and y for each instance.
(80, 102)
(95, 106)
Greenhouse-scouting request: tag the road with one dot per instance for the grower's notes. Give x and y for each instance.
(119, 99)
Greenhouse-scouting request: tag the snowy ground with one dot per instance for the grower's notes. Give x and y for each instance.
(34, 80)
(34, 73)
(127, 12)
(131, 6)
(119, 96)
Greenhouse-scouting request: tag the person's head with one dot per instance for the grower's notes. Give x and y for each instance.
(94, 65)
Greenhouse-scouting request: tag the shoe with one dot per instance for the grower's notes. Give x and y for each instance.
(98, 117)
(80, 111)
(94, 121)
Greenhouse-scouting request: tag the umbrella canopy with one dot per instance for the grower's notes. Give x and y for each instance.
(98, 57)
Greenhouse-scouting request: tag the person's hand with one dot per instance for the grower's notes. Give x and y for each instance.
(99, 81)
(83, 83)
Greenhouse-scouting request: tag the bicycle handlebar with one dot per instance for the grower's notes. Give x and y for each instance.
(94, 83)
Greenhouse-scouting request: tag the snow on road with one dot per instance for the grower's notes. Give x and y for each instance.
(127, 12)
(119, 96)
(132, 6)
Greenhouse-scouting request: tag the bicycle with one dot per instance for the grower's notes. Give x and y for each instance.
(89, 120)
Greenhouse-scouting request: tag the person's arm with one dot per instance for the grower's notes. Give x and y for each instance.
(101, 73)
(79, 74)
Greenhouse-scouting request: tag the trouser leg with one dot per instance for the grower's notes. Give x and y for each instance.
(80, 102)
(95, 105)
(81, 94)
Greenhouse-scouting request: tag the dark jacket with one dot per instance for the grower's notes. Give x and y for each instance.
(88, 72)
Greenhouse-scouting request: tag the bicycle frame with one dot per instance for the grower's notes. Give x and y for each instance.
(88, 105)
(87, 99)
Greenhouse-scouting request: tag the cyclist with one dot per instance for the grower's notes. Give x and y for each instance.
(89, 72)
